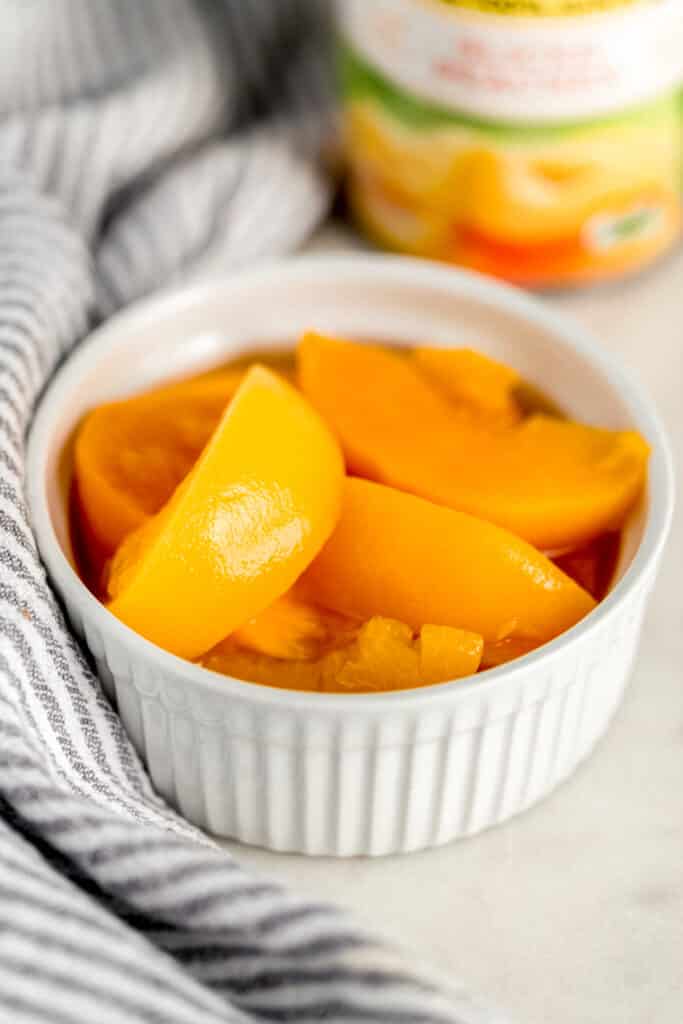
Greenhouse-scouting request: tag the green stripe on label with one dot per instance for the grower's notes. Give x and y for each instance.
(360, 80)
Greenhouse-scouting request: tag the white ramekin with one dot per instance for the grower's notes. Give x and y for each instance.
(355, 774)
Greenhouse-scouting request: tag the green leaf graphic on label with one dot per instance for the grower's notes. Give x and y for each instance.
(606, 232)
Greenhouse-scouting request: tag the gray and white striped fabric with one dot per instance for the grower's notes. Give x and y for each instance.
(141, 140)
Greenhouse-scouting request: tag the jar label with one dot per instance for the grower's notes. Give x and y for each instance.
(605, 58)
(532, 202)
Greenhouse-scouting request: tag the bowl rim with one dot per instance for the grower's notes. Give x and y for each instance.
(385, 269)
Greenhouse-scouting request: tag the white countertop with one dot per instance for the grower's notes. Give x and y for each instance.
(573, 912)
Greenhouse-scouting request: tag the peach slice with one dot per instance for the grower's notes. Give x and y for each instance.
(256, 508)
(131, 455)
(393, 554)
(473, 380)
(554, 482)
(291, 629)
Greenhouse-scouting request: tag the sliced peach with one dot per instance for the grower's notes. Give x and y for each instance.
(292, 629)
(131, 455)
(229, 659)
(387, 656)
(396, 555)
(473, 380)
(448, 653)
(556, 483)
(499, 652)
(247, 520)
(378, 654)
(382, 654)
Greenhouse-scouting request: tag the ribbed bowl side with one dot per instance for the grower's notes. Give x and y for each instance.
(344, 784)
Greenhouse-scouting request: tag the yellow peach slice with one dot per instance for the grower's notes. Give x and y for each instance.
(554, 482)
(258, 505)
(478, 383)
(393, 554)
(130, 455)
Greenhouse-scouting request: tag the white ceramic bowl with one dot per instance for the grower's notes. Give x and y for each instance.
(355, 774)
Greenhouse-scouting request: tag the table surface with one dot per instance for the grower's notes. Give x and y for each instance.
(571, 913)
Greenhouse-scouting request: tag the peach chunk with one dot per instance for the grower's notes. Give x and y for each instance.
(382, 655)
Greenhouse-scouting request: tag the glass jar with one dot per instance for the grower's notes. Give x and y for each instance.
(537, 140)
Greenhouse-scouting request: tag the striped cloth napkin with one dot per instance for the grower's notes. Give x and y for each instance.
(141, 140)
